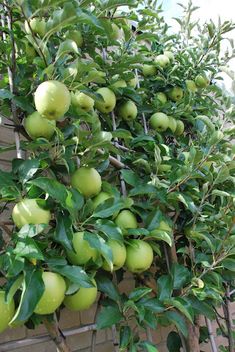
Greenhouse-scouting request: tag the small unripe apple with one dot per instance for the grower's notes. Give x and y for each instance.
(172, 124)
(83, 251)
(37, 126)
(52, 99)
(120, 84)
(202, 81)
(161, 98)
(149, 70)
(133, 82)
(176, 93)
(28, 211)
(109, 102)
(119, 255)
(191, 86)
(38, 26)
(68, 46)
(104, 136)
(100, 198)
(82, 299)
(162, 61)
(169, 54)
(159, 121)
(139, 256)
(87, 181)
(179, 128)
(7, 311)
(128, 111)
(82, 100)
(126, 220)
(76, 36)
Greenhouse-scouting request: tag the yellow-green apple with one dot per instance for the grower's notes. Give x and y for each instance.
(127, 110)
(139, 256)
(172, 124)
(109, 100)
(82, 299)
(27, 211)
(149, 70)
(7, 310)
(37, 126)
(100, 198)
(126, 220)
(162, 61)
(83, 252)
(104, 136)
(169, 54)
(75, 35)
(179, 128)
(161, 98)
(120, 84)
(119, 255)
(176, 93)
(191, 85)
(82, 100)
(202, 81)
(53, 294)
(37, 26)
(87, 181)
(133, 82)
(159, 121)
(52, 99)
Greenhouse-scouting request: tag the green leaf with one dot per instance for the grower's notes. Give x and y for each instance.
(229, 263)
(106, 286)
(222, 175)
(27, 169)
(207, 121)
(108, 316)
(98, 242)
(27, 247)
(139, 293)
(110, 229)
(131, 178)
(218, 192)
(174, 342)
(125, 337)
(181, 276)
(143, 189)
(148, 346)
(15, 285)
(183, 306)
(63, 231)
(51, 186)
(165, 287)
(107, 208)
(33, 288)
(74, 273)
(201, 307)
(162, 236)
(152, 304)
(5, 94)
(177, 319)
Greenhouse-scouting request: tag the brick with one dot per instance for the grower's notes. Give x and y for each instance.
(13, 334)
(69, 319)
(88, 316)
(41, 347)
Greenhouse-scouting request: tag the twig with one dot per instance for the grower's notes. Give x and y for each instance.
(56, 335)
(228, 318)
(143, 115)
(114, 161)
(94, 333)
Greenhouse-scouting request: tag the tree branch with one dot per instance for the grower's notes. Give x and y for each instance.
(56, 335)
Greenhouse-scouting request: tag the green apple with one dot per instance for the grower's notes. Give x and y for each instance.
(109, 102)
(82, 100)
(119, 255)
(164, 226)
(127, 111)
(53, 294)
(37, 126)
(104, 136)
(7, 311)
(126, 220)
(169, 54)
(76, 36)
(100, 198)
(83, 251)
(162, 61)
(99, 76)
(172, 124)
(191, 86)
(133, 82)
(176, 93)
(161, 98)
(149, 70)
(139, 256)
(116, 32)
(120, 84)
(82, 299)
(52, 99)
(87, 181)
(68, 46)
(164, 168)
(38, 26)
(179, 128)
(202, 81)
(27, 211)
(159, 122)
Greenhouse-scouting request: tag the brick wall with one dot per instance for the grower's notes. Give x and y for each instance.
(79, 342)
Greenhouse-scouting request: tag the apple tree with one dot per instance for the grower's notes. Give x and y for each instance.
(125, 166)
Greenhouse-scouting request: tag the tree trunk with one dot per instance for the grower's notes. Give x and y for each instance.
(192, 342)
(56, 335)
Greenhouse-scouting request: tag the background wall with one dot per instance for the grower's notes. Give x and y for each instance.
(78, 342)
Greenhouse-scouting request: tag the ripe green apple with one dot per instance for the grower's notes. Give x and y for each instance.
(82, 299)
(126, 220)
(191, 86)
(83, 251)
(27, 211)
(202, 81)
(68, 46)
(119, 255)
(99, 76)
(127, 111)
(100, 198)
(159, 121)
(37, 126)
(139, 256)
(172, 124)
(53, 294)
(87, 181)
(76, 36)
(169, 54)
(161, 98)
(179, 128)
(162, 61)
(38, 26)
(52, 99)
(7, 311)
(120, 84)
(109, 102)
(176, 93)
(133, 82)
(104, 136)
(82, 100)
(149, 70)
